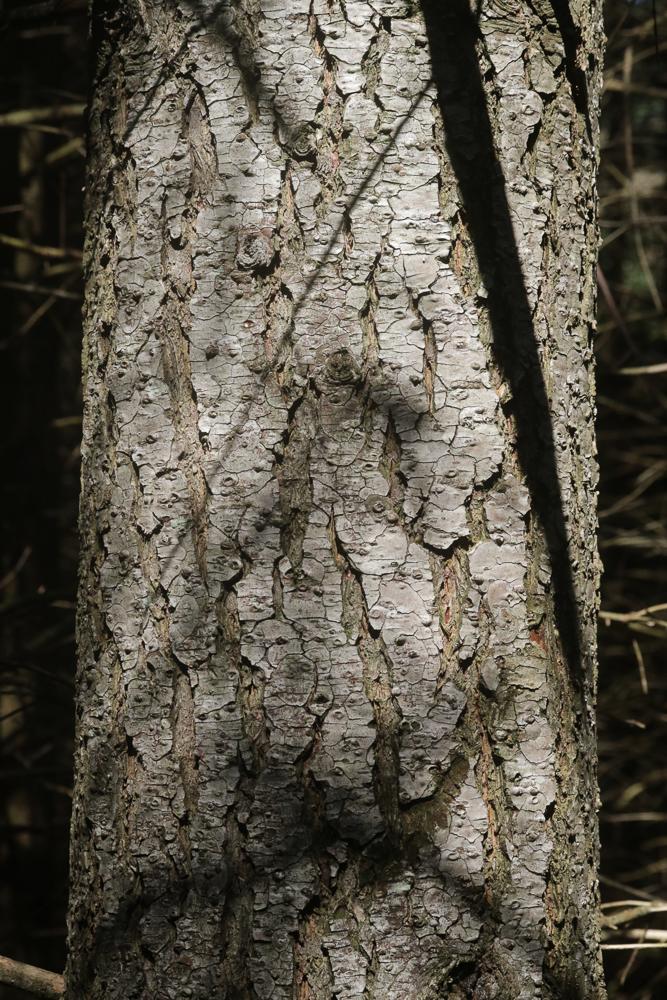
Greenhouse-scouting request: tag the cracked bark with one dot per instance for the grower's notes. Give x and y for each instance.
(338, 582)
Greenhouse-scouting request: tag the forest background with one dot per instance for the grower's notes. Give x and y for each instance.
(43, 81)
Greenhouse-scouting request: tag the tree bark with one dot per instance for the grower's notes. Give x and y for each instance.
(339, 578)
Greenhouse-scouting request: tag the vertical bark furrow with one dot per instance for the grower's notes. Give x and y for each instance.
(378, 685)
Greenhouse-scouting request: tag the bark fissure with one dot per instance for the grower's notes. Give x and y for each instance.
(177, 264)
(378, 684)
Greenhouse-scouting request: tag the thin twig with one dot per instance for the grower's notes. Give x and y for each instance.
(638, 817)
(644, 370)
(625, 947)
(643, 680)
(31, 289)
(626, 87)
(27, 116)
(54, 253)
(632, 616)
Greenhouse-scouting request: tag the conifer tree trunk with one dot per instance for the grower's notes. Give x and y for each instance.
(339, 578)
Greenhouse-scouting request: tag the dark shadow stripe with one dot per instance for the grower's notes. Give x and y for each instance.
(452, 34)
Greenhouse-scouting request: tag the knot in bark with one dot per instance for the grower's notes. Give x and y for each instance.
(302, 142)
(255, 250)
(341, 368)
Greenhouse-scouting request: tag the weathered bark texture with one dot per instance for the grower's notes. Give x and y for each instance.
(335, 701)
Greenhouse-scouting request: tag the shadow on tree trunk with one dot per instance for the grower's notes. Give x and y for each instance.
(453, 35)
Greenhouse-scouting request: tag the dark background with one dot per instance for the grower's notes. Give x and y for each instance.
(43, 74)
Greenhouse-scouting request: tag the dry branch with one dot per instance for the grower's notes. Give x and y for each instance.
(29, 978)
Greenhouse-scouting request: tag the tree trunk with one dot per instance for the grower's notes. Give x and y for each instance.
(339, 577)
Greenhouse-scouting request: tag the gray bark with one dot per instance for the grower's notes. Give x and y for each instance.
(339, 579)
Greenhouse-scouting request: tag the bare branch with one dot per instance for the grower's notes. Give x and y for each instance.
(29, 978)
